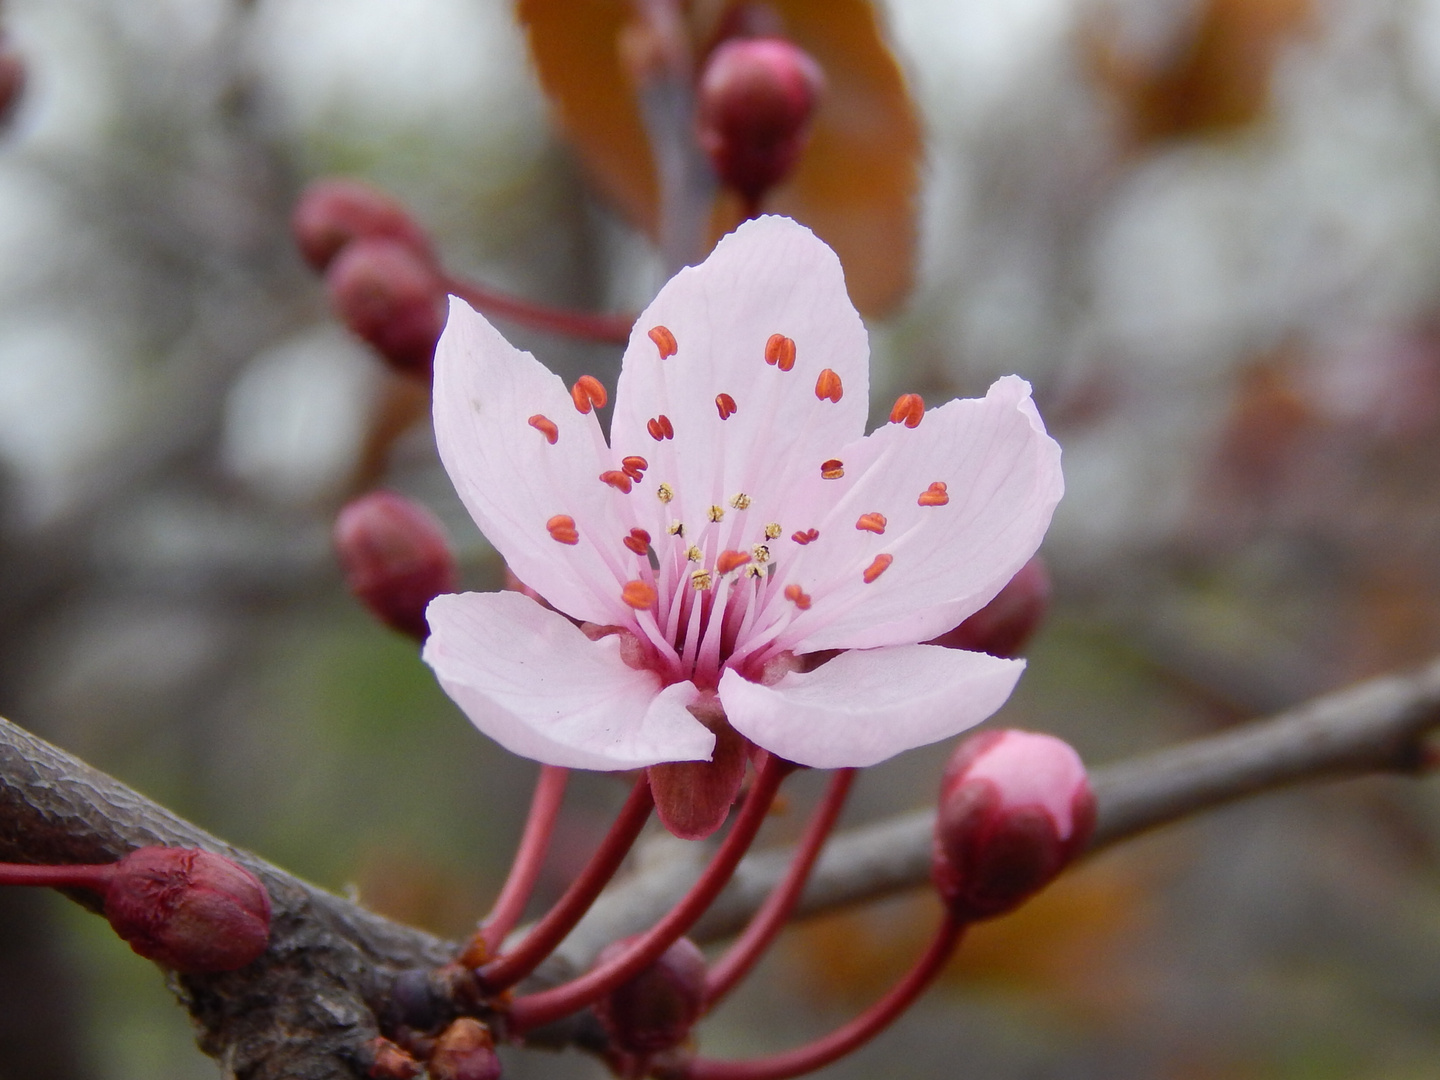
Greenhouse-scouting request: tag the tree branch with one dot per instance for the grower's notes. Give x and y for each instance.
(307, 1008)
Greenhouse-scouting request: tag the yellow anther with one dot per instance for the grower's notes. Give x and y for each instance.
(760, 553)
(717, 513)
(694, 554)
(664, 493)
(740, 501)
(700, 579)
(772, 531)
(676, 528)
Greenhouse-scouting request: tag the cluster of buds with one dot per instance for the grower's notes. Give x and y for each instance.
(379, 266)
(187, 909)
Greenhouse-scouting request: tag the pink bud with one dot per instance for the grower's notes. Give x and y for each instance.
(464, 1051)
(756, 99)
(331, 213)
(1003, 626)
(188, 909)
(656, 1009)
(1015, 809)
(396, 558)
(392, 297)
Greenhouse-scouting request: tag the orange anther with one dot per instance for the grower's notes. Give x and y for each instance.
(798, 597)
(935, 495)
(616, 479)
(545, 426)
(664, 341)
(587, 393)
(729, 560)
(833, 469)
(805, 536)
(638, 595)
(872, 523)
(726, 406)
(660, 428)
(878, 567)
(562, 528)
(638, 541)
(780, 352)
(909, 410)
(634, 467)
(828, 386)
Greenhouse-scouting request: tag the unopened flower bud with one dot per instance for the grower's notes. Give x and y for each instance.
(12, 81)
(655, 1010)
(392, 297)
(331, 213)
(396, 558)
(188, 909)
(1015, 809)
(464, 1051)
(756, 99)
(1003, 626)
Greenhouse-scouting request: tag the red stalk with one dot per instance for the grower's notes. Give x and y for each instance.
(76, 876)
(612, 329)
(542, 939)
(843, 1040)
(533, 1010)
(525, 870)
(768, 921)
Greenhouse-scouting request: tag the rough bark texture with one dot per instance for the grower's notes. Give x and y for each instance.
(306, 1010)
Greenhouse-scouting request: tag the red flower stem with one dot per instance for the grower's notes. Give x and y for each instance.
(529, 858)
(533, 1010)
(542, 939)
(76, 876)
(612, 329)
(768, 921)
(843, 1040)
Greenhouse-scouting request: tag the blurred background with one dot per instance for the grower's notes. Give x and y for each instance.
(1207, 230)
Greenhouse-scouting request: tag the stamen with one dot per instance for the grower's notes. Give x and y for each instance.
(878, 567)
(725, 404)
(772, 530)
(740, 501)
(872, 523)
(729, 560)
(664, 341)
(616, 479)
(832, 469)
(694, 554)
(798, 597)
(700, 579)
(561, 527)
(761, 553)
(828, 386)
(638, 595)
(717, 513)
(664, 493)
(753, 571)
(780, 352)
(660, 427)
(543, 424)
(634, 467)
(805, 536)
(587, 393)
(638, 541)
(909, 410)
(676, 528)
(935, 495)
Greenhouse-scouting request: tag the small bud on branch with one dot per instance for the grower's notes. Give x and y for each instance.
(396, 558)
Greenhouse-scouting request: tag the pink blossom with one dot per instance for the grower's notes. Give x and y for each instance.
(737, 523)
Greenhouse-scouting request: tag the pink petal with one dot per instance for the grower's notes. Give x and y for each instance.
(771, 276)
(529, 679)
(514, 481)
(1002, 477)
(867, 705)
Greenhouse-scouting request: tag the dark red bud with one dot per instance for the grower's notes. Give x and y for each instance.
(1015, 809)
(188, 909)
(12, 81)
(656, 1009)
(396, 558)
(331, 213)
(392, 297)
(1003, 626)
(756, 99)
(464, 1051)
